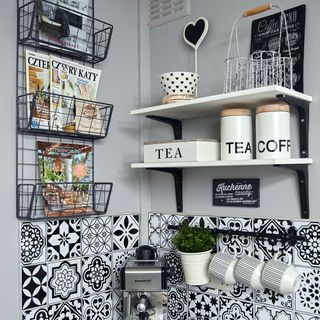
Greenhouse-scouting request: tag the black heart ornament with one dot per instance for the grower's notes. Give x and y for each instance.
(195, 32)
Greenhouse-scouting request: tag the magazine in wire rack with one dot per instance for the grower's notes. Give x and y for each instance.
(65, 173)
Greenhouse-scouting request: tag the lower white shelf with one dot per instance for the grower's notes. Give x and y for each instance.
(223, 163)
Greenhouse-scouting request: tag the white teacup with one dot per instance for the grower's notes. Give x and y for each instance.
(222, 267)
(249, 269)
(280, 276)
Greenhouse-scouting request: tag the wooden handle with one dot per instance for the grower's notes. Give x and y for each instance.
(260, 9)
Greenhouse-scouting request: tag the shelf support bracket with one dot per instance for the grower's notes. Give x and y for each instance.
(174, 123)
(303, 183)
(302, 108)
(177, 176)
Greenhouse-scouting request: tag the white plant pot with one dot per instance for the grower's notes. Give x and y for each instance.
(195, 267)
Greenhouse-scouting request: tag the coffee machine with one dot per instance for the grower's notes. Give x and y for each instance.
(144, 286)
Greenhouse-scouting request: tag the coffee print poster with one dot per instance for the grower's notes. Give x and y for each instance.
(236, 192)
(265, 36)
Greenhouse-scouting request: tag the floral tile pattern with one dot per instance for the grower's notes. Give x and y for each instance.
(235, 309)
(154, 234)
(98, 307)
(238, 245)
(203, 221)
(203, 305)
(119, 259)
(273, 298)
(34, 286)
(175, 272)
(268, 313)
(32, 242)
(63, 239)
(71, 310)
(96, 235)
(96, 274)
(177, 304)
(240, 291)
(36, 314)
(125, 232)
(117, 304)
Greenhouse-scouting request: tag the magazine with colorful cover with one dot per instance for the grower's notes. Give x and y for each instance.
(65, 174)
(38, 80)
(73, 80)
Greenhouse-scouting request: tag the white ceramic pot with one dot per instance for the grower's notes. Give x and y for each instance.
(195, 267)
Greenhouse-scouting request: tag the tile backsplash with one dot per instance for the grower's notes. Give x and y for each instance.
(70, 269)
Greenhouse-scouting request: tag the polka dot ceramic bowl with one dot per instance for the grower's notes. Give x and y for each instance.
(178, 83)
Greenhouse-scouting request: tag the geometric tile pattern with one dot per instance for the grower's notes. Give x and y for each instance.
(69, 310)
(235, 309)
(203, 305)
(98, 307)
(175, 272)
(125, 232)
(119, 258)
(177, 304)
(268, 313)
(273, 298)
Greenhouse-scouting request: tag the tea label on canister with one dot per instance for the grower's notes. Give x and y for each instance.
(273, 131)
(236, 134)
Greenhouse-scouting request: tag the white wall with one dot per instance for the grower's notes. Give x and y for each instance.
(279, 189)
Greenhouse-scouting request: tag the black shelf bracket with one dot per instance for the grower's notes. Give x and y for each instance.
(303, 183)
(177, 176)
(302, 108)
(174, 123)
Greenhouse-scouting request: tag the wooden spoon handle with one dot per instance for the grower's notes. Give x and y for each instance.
(260, 9)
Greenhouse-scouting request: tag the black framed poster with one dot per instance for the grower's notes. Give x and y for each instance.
(265, 36)
(236, 192)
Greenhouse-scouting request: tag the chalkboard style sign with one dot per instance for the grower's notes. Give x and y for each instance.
(265, 36)
(236, 192)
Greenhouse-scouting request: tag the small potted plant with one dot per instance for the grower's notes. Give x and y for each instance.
(194, 245)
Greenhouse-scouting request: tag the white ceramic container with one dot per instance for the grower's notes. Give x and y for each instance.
(181, 150)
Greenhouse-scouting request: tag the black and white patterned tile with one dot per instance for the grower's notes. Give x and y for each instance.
(69, 310)
(125, 232)
(96, 274)
(98, 307)
(203, 305)
(177, 304)
(119, 259)
(32, 242)
(268, 246)
(207, 289)
(304, 316)
(63, 239)
(308, 295)
(204, 221)
(272, 298)
(307, 253)
(34, 286)
(64, 280)
(36, 314)
(269, 313)
(236, 245)
(117, 304)
(235, 309)
(154, 232)
(239, 291)
(96, 235)
(175, 272)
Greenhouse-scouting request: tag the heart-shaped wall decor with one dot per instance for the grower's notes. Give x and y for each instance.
(194, 32)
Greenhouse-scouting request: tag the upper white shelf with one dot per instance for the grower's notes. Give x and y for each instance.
(212, 105)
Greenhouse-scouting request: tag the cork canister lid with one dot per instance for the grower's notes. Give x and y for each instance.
(273, 107)
(235, 112)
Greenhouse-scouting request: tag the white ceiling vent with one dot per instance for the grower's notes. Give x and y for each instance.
(162, 11)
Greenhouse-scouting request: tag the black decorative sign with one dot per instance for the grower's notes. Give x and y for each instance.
(265, 36)
(236, 192)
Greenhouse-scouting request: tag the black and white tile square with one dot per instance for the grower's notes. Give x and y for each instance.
(235, 309)
(63, 239)
(304, 316)
(32, 242)
(64, 280)
(34, 286)
(307, 253)
(272, 298)
(236, 245)
(96, 274)
(154, 232)
(239, 291)
(119, 259)
(125, 232)
(117, 304)
(166, 234)
(204, 221)
(36, 314)
(203, 305)
(98, 307)
(69, 310)
(269, 313)
(96, 235)
(177, 304)
(175, 272)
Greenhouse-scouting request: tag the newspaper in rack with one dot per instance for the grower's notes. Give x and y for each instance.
(37, 82)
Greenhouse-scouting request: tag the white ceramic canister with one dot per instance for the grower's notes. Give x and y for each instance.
(273, 131)
(236, 134)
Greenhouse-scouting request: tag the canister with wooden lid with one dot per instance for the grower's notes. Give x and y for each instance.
(236, 134)
(273, 131)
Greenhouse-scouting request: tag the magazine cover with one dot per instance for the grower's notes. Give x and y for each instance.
(73, 80)
(66, 173)
(38, 79)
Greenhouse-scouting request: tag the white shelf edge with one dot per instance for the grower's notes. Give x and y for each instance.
(221, 163)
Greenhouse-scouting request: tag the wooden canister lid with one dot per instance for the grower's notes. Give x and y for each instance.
(273, 107)
(235, 112)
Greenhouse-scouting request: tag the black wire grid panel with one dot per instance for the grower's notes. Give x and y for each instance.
(71, 33)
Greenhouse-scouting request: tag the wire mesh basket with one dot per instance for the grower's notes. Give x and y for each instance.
(262, 68)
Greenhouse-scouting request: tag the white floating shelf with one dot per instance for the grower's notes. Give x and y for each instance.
(220, 163)
(212, 105)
